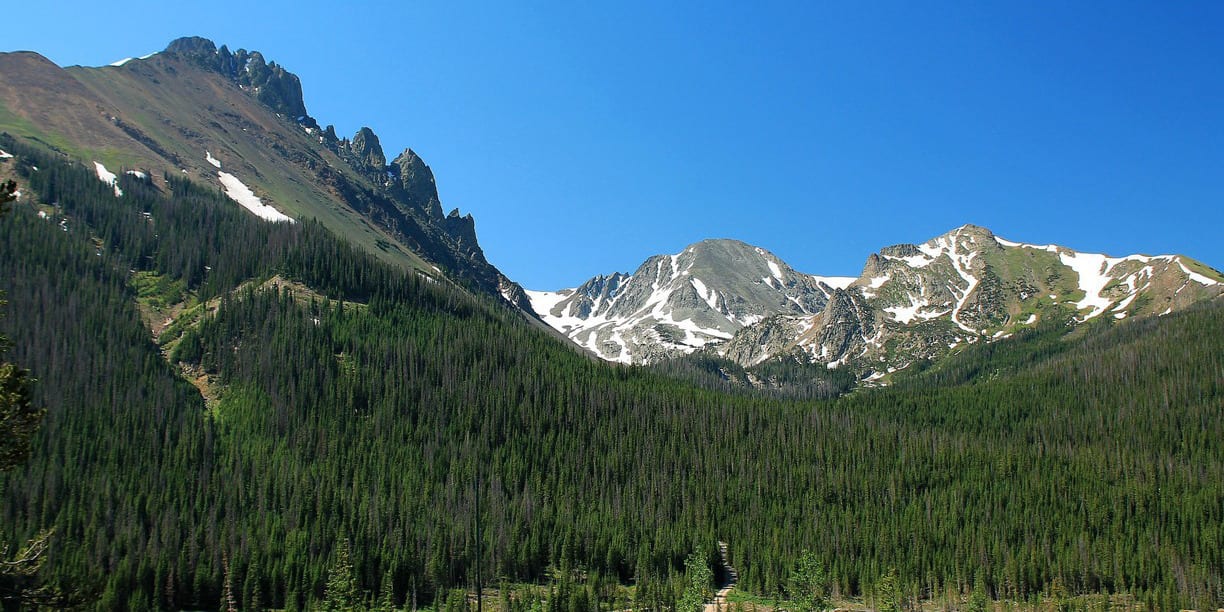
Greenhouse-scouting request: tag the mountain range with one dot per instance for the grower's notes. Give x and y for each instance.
(238, 122)
(911, 302)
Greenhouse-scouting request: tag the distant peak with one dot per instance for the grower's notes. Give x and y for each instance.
(969, 229)
(191, 46)
(416, 183)
(368, 150)
(723, 242)
(714, 246)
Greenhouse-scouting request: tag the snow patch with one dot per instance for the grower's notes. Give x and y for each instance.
(138, 174)
(917, 261)
(774, 269)
(543, 302)
(708, 295)
(1195, 276)
(1092, 269)
(240, 193)
(962, 263)
(1124, 303)
(1031, 320)
(905, 314)
(1041, 247)
(108, 177)
(5, 154)
(878, 281)
(212, 160)
(129, 59)
(837, 282)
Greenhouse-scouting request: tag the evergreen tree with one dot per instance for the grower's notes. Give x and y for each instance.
(978, 599)
(341, 593)
(386, 597)
(888, 592)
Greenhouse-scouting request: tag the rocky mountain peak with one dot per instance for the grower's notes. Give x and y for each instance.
(414, 183)
(271, 84)
(192, 46)
(462, 228)
(680, 303)
(368, 151)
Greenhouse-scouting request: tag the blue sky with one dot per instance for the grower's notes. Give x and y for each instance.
(585, 137)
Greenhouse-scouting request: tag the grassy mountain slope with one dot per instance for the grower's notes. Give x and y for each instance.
(171, 112)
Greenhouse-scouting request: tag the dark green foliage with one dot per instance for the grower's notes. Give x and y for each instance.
(1089, 464)
(781, 377)
(18, 417)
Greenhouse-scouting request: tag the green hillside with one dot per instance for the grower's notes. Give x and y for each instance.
(356, 413)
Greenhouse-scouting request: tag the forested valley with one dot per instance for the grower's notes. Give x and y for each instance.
(349, 413)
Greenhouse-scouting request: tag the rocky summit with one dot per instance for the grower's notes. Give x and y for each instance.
(911, 302)
(675, 304)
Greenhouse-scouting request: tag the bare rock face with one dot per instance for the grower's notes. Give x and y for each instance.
(413, 184)
(276, 87)
(367, 151)
(677, 304)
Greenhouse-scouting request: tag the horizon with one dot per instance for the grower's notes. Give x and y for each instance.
(579, 154)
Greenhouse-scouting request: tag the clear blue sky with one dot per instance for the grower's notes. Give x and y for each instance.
(585, 137)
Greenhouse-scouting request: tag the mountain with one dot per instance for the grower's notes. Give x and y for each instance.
(238, 122)
(679, 303)
(911, 302)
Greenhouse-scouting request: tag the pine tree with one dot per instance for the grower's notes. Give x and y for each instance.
(386, 597)
(341, 591)
(229, 600)
(978, 599)
(888, 592)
